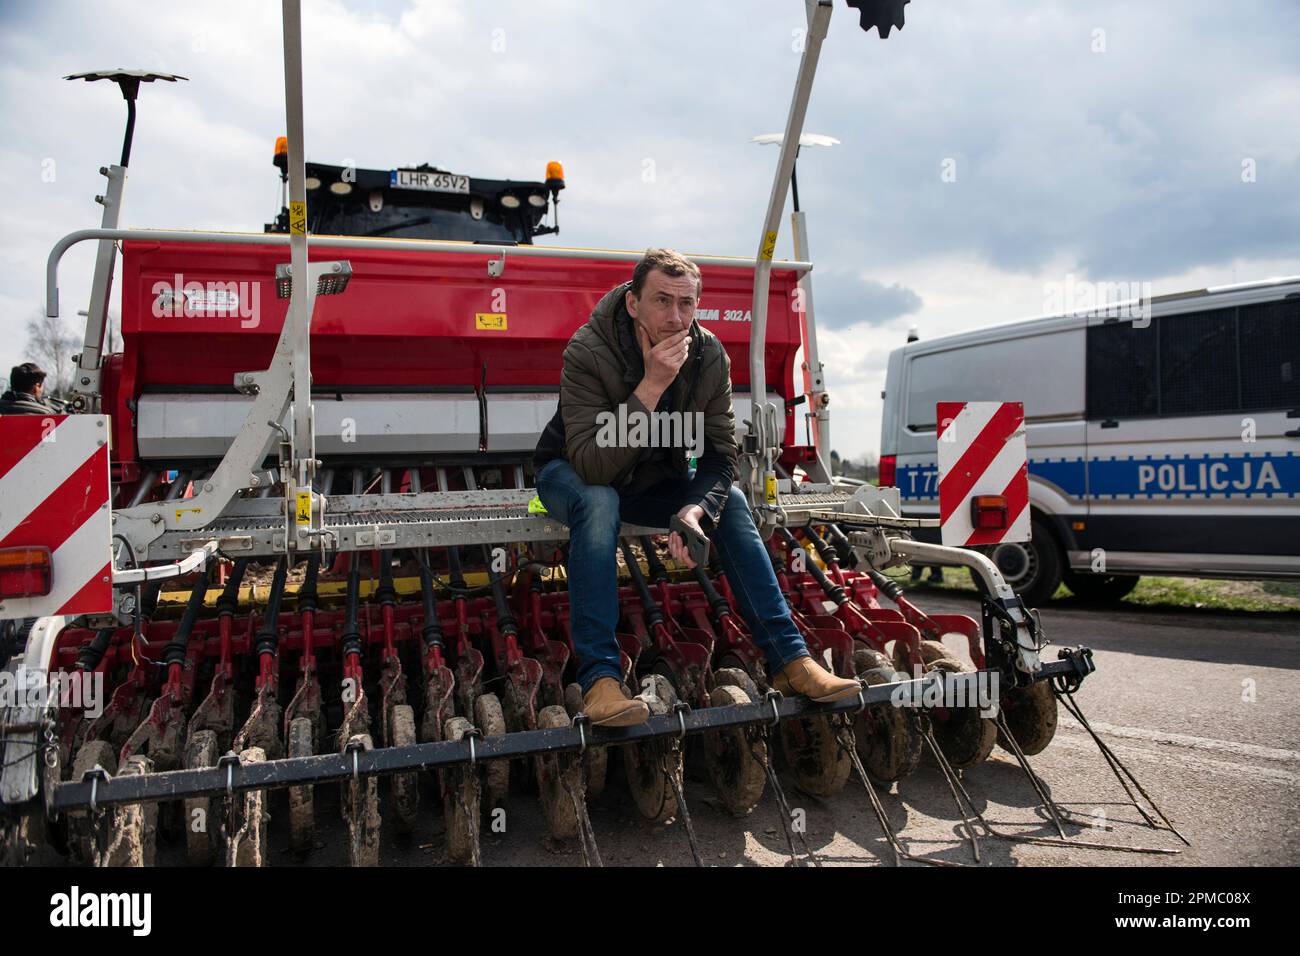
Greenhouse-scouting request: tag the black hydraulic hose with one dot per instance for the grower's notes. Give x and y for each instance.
(657, 570)
(887, 585)
(351, 638)
(824, 550)
(228, 603)
(457, 575)
(268, 635)
(307, 595)
(717, 603)
(833, 591)
(842, 546)
(653, 614)
(174, 652)
(431, 633)
(93, 651)
(505, 619)
(149, 600)
(386, 593)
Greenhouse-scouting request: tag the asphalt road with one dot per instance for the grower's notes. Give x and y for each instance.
(1197, 704)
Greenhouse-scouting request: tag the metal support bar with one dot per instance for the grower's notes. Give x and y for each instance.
(302, 301)
(432, 247)
(996, 591)
(196, 560)
(764, 422)
(275, 774)
(814, 378)
(87, 379)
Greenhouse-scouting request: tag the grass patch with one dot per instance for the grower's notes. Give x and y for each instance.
(1154, 592)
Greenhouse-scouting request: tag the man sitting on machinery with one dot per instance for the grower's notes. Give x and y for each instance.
(641, 350)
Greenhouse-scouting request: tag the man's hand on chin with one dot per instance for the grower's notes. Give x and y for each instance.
(691, 515)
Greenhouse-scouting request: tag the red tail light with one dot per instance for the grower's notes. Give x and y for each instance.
(988, 512)
(24, 572)
(888, 470)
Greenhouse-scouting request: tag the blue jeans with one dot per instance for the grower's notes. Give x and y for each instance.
(594, 513)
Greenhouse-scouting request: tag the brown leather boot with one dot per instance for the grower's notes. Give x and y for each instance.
(608, 705)
(805, 676)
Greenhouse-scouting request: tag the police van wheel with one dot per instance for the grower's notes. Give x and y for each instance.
(1033, 567)
(1100, 588)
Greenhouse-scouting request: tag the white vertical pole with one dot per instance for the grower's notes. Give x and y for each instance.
(765, 421)
(303, 298)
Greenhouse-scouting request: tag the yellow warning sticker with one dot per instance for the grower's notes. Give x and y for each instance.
(182, 511)
(303, 511)
(769, 247)
(490, 321)
(770, 490)
(298, 218)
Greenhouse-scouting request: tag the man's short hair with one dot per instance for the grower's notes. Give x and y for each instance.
(25, 377)
(668, 261)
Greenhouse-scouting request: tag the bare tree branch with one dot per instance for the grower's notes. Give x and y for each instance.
(51, 345)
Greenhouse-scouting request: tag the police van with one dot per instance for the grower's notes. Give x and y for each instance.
(1163, 439)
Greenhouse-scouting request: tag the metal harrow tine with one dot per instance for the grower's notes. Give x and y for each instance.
(955, 787)
(1034, 779)
(674, 778)
(783, 805)
(1117, 767)
(849, 741)
(990, 830)
(577, 793)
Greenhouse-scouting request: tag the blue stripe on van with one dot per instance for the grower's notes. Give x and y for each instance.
(1268, 475)
(920, 482)
(1068, 474)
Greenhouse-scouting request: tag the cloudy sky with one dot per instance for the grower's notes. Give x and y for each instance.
(989, 150)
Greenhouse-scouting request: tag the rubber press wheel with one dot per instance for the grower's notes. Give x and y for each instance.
(815, 754)
(737, 677)
(133, 840)
(460, 799)
(557, 802)
(643, 764)
(1030, 713)
(361, 807)
(252, 847)
(81, 835)
(302, 803)
(406, 790)
(595, 761)
(868, 658)
(888, 740)
(200, 820)
(965, 737)
(737, 775)
(491, 722)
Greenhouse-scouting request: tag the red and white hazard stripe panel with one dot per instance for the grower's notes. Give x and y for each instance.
(54, 494)
(983, 473)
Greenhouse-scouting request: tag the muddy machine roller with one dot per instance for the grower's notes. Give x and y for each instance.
(332, 589)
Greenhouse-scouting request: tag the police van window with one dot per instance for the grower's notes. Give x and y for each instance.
(1218, 361)
(1122, 371)
(1270, 355)
(1198, 363)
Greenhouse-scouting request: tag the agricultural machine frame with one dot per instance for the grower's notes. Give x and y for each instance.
(160, 540)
